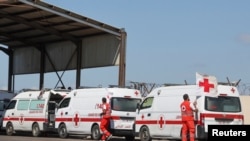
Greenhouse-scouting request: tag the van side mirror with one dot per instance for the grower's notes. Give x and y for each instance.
(138, 106)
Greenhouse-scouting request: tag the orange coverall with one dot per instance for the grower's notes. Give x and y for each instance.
(187, 121)
(105, 121)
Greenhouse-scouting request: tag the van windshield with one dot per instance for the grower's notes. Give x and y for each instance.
(124, 104)
(223, 104)
(64, 103)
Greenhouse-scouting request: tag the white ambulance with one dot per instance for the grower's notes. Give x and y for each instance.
(32, 111)
(79, 112)
(159, 114)
(5, 98)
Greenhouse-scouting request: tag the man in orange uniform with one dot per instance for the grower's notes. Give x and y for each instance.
(106, 113)
(187, 109)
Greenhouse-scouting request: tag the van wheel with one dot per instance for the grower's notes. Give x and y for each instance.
(144, 134)
(9, 129)
(129, 138)
(36, 130)
(95, 132)
(62, 131)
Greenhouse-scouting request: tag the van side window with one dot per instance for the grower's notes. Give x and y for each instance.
(64, 103)
(147, 103)
(11, 105)
(23, 104)
(37, 104)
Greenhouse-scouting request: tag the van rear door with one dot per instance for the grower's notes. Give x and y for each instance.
(222, 110)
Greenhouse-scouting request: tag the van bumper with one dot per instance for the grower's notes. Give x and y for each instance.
(123, 132)
(201, 134)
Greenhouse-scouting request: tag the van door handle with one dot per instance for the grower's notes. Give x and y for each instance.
(149, 114)
(66, 113)
(12, 114)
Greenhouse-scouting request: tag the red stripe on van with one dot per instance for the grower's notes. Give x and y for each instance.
(173, 122)
(219, 116)
(34, 119)
(158, 122)
(63, 119)
(91, 119)
(80, 119)
(24, 119)
(10, 119)
(224, 116)
(146, 122)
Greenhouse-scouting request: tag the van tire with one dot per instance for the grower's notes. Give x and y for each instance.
(144, 134)
(9, 129)
(36, 130)
(95, 132)
(62, 131)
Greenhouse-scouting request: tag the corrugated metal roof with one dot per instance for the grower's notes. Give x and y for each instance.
(34, 23)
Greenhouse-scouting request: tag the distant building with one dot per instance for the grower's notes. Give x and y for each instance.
(245, 102)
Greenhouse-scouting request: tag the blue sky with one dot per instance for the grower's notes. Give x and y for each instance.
(168, 41)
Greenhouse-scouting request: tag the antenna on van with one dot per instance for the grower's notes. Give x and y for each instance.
(229, 81)
(237, 83)
(186, 82)
(233, 83)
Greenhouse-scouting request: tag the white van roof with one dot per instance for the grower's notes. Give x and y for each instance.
(33, 94)
(119, 92)
(222, 90)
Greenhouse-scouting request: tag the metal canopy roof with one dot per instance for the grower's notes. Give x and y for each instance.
(33, 23)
